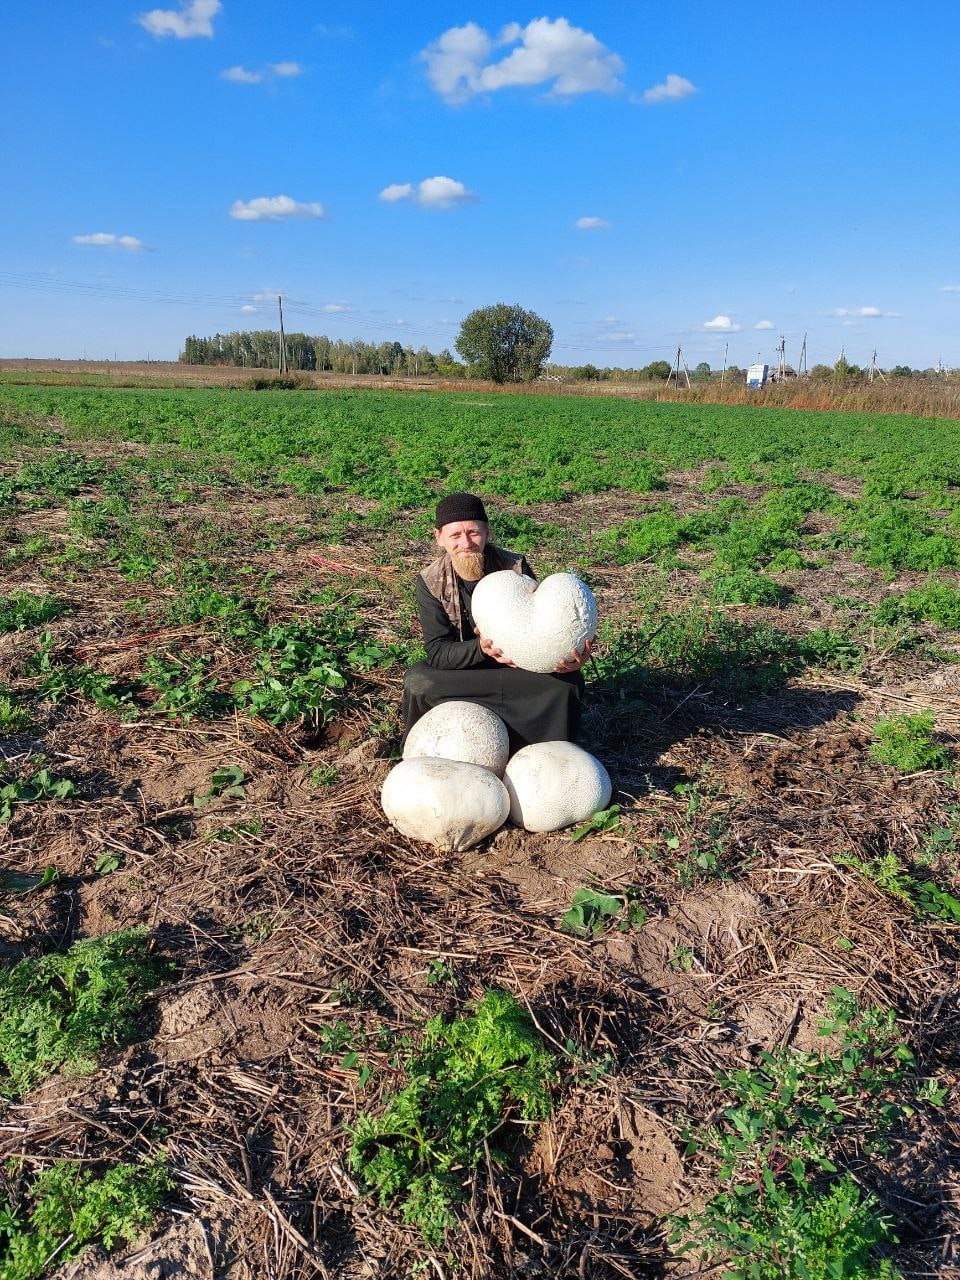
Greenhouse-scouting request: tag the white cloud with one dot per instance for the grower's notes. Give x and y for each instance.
(247, 309)
(106, 240)
(274, 209)
(950, 288)
(396, 191)
(866, 313)
(671, 90)
(278, 70)
(591, 224)
(194, 18)
(548, 52)
(240, 75)
(431, 193)
(619, 337)
(335, 308)
(764, 324)
(454, 61)
(443, 193)
(722, 322)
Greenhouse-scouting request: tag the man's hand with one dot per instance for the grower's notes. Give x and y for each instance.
(574, 660)
(488, 648)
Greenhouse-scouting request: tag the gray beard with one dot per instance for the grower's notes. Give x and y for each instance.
(468, 565)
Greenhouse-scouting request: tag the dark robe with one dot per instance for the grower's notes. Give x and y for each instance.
(534, 707)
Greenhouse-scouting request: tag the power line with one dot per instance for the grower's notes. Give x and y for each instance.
(43, 283)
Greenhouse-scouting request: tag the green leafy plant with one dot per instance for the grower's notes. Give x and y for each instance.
(906, 743)
(465, 1080)
(937, 602)
(66, 1208)
(441, 972)
(602, 820)
(235, 833)
(304, 670)
(889, 875)
(41, 785)
(226, 784)
(26, 882)
(24, 609)
(941, 844)
(61, 680)
(682, 959)
(184, 687)
(60, 1009)
(804, 1233)
(14, 716)
(744, 586)
(61, 474)
(785, 1210)
(323, 775)
(592, 913)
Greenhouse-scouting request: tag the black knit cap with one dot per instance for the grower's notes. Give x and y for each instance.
(460, 506)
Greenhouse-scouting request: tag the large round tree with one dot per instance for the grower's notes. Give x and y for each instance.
(504, 343)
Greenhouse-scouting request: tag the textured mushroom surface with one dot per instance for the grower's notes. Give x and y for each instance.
(536, 626)
(460, 731)
(555, 784)
(447, 803)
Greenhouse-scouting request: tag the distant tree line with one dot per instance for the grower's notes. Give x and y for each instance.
(260, 349)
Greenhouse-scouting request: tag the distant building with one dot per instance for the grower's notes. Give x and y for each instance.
(757, 375)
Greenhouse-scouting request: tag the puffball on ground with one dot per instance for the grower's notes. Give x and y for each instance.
(460, 731)
(536, 625)
(554, 785)
(448, 803)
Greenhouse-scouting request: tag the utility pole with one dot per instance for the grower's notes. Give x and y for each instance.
(802, 369)
(723, 372)
(782, 359)
(675, 372)
(282, 366)
(875, 371)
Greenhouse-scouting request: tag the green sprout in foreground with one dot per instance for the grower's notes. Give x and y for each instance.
(61, 1009)
(785, 1211)
(465, 1079)
(906, 743)
(71, 1208)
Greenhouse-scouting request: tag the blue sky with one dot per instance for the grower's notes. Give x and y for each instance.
(645, 177)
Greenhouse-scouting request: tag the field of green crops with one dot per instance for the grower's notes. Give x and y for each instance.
(248, 1028)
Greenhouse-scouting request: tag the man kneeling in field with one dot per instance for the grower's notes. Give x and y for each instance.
(465, 666)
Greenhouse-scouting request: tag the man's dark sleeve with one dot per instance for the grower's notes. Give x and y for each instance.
(445, 650)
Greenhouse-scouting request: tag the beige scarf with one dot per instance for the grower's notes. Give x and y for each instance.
(444, 585)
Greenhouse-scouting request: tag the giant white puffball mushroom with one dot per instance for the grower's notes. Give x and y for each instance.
(460, 731)
(554, 785)
(448, 803)
(535, 625)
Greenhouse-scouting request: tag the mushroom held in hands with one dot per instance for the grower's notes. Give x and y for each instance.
(460, 731)
(536, 626)
(555, 784)
(449, 804)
